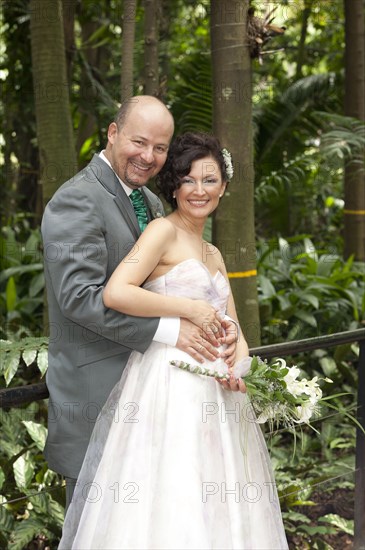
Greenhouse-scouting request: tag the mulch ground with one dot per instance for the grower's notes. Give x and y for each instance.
(338, 501)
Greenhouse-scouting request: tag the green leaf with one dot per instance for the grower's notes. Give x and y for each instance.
(311, 299)
(36, 285)
(267, 288)
(318, 530)
(11, 365)
(23, 469)
(6, 519)
(310, 249)
(46, 506)
(285, 253)
(88, 144)
(296, 516)
(11, 296)
(25, 531)
(328, 365)
(29, 356)
(37, 432)
(19, 270)
(306, 317)
(346, 525)
(42, 361)
(2, 479)
(284, 302)
(31, 247)
(341, 443)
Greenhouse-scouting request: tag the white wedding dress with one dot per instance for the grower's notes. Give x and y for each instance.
(175, 461)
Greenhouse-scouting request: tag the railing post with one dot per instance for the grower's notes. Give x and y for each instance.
(359, 534)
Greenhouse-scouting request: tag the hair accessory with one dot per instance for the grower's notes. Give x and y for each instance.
(228, 163)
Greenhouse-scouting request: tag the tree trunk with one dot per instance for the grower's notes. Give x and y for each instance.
(68, 10)
(355, 107)
(54, 125)
(233, 228)
(88, 92)
(303, 35)
(128, 32)
(151, 80)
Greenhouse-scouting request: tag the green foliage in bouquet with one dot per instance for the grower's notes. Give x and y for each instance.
(279, 396)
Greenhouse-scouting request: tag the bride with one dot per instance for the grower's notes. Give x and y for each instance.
(176, 461)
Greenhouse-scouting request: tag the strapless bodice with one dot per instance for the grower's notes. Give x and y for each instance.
(192, 279)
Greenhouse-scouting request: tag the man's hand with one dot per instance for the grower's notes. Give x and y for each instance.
(200, 345)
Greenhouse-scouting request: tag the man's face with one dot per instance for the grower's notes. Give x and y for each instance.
(138, 150)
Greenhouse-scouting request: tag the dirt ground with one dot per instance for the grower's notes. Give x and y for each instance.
(338, 501)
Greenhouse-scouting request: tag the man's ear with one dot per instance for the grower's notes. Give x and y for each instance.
(112, 132)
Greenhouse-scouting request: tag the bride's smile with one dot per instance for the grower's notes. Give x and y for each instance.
(199, 192)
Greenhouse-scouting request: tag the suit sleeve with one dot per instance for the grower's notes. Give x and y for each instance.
(76, 259)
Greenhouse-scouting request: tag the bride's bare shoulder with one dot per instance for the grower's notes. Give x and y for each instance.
(163, 226)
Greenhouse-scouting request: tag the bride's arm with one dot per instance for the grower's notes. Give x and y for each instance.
(242, 347)
(123, 292)
(241, 344)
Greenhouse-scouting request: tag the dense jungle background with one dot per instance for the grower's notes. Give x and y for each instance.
(282, 84)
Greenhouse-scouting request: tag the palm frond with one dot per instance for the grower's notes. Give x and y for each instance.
(194, 110)
(343, 137)
(275, 118)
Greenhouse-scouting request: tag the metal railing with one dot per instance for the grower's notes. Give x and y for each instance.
(11, 397)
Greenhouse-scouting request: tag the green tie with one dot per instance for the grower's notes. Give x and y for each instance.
(140, 208)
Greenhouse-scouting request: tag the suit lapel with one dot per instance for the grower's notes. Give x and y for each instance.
(126, 208)
(109, 180)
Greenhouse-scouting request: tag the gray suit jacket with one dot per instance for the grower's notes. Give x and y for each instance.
(88, 227)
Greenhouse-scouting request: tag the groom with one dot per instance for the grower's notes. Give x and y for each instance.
(88, 227)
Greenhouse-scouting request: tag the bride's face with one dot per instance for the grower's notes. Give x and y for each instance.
(201, 189)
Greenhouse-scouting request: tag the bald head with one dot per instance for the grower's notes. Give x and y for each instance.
(137, 103)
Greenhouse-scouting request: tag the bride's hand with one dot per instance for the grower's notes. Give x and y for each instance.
(237, 372)
(233, 384)
(205, 317)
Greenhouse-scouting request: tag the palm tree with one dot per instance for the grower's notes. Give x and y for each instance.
(54, 125)
(234, 228)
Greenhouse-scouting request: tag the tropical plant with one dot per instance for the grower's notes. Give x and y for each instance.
(26, 358)
(21, 279)
(306, 292)
(316, 480)
(31, 495)
(304, 192)
(316, 483)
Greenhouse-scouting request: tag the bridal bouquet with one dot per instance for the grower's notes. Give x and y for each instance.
(277, 393)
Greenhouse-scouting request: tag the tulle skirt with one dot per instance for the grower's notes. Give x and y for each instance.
(175, 462)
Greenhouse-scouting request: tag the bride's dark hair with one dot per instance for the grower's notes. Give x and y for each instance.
(183, 151)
